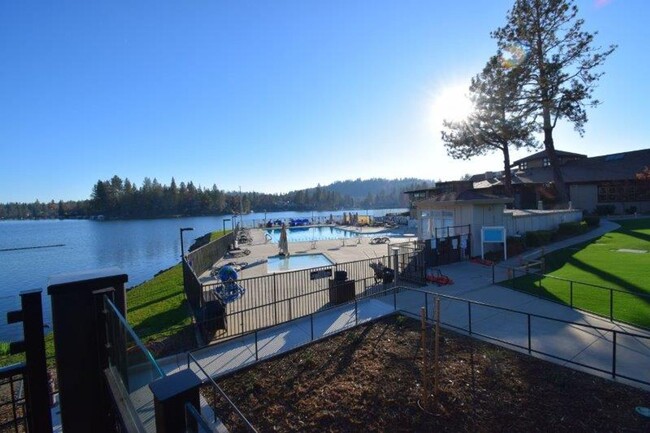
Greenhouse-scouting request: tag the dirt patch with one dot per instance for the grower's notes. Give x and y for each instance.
(369, 379)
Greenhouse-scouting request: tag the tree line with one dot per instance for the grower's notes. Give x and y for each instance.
(118, 198)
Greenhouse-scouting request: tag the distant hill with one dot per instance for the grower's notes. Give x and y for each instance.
(373, 193)
(359, 189)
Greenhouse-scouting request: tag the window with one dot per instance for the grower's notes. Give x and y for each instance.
(434, 223)
(523, 165)
(546, 161)
(623, 191)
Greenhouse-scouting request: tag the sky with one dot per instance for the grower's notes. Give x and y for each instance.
(270, 96)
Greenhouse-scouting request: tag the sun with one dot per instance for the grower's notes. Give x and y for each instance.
(451, 103)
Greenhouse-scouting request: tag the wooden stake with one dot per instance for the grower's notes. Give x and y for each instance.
(425, 364)
(436, 350)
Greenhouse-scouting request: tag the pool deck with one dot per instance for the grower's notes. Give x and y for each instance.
(338, 251)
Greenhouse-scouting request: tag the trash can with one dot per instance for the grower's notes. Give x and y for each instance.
(341, 291)
(388, 275)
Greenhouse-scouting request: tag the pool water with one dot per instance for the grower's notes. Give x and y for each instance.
(299, 261)
(305, 234)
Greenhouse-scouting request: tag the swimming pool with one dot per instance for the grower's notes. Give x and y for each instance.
(298, 261)
(305, 234)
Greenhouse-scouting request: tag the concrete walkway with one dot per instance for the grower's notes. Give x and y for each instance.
(570, 340)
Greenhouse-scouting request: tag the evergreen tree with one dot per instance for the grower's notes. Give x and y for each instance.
(560, 65)
(498, 121)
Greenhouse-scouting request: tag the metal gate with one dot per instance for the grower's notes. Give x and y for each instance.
(411, 261)
(449, 245)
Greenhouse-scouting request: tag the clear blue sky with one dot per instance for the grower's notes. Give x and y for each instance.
(271, 96)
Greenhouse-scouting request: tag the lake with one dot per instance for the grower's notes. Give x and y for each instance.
(140, 248)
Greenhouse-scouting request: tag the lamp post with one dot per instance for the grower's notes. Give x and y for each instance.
(184, 229)
(224, 224)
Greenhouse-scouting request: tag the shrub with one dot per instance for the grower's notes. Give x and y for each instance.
(592, 220)
(630, 210)
(539, 237)
(516, 245)
(605, 209)
(572, 228)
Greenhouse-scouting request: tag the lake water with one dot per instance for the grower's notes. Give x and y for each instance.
(140, 248)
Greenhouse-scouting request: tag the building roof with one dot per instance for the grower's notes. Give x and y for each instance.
(612, 167)
(542, 154)
(468, 196)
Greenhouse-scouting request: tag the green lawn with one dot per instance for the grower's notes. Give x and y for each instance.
(601, 263)
(157, 308)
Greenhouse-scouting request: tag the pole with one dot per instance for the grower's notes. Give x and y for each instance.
(425, 364)
(436, 351)
(241, 209)
(184, 229)
(182, 247)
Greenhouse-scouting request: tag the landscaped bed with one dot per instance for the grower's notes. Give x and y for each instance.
(369, 379)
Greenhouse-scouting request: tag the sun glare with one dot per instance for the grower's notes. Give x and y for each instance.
(451, 103)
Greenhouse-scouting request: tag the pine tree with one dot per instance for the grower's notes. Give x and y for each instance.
(560, 65)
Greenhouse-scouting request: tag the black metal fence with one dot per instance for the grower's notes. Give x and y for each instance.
(13, 417)
(449, 245)
(223, 408)
(412, 261)
(615, 304)
(280, 297)
(470, 316)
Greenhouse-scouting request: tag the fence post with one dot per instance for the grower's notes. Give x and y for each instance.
(469, 317)
(37, 396)
(275, 300)
(493, 274)
(171, 393)
(290, 313)
(396, 263)
(77, 319)
(529, 345)
(611, 304)
(426, 304)
(257, 358)
(394, 299)
(356, 312)
(614, 355)
(311, 317)
(571, 293)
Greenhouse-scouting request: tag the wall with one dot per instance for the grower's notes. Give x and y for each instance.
(584, 197)
(484, 215)
(518, 222)
(515, 221)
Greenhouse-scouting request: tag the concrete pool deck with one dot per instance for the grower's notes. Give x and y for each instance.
(337, 251)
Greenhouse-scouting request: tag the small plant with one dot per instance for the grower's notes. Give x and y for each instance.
(605, 209)
(400, 320)
(592, 220)
(539, 237)
(572, 228)
(4, 348)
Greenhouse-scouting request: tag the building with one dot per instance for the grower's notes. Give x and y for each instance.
(455, 212)
(618, 182)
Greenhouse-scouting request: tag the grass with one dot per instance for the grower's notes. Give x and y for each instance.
(157, 308)
(599, 264)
